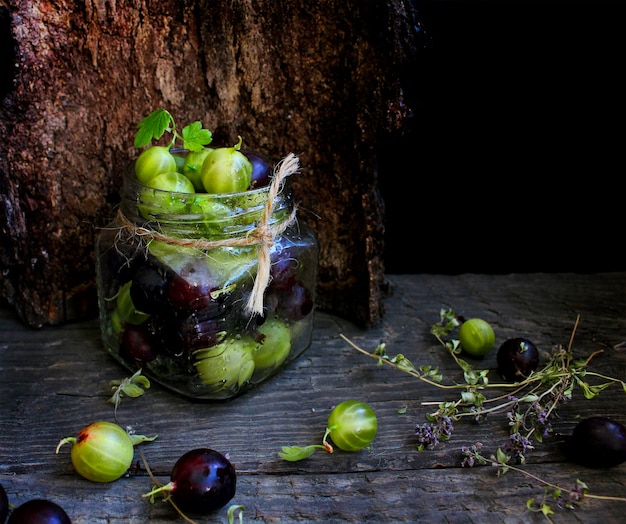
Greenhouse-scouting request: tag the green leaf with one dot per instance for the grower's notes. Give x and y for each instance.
(138, 439)
(132, 387)
(546, 510)
(132, 390)
(468, 397)
(403, 363)
(153, 126)
(195, 137)
(295, 453)
(448, 322)
(432, 373)
(380, 350)
(465, 366)
(502, 457)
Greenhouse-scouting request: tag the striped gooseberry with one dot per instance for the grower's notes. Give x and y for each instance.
(352, 425)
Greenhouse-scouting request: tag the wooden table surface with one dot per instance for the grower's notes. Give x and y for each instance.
(55, 380)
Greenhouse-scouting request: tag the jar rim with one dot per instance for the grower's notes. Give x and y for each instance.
(201, 215)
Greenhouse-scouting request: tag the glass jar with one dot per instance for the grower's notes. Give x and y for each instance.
(208, 294)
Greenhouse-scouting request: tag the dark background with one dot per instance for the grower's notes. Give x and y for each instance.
(513, 159)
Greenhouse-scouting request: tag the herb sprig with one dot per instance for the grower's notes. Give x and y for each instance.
(530, 405)
(296, 453)
(194, 137)
(132, 387)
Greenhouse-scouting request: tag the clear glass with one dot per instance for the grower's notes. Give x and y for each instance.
(174, 273)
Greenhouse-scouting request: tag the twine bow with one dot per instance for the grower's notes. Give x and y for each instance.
(262, 235)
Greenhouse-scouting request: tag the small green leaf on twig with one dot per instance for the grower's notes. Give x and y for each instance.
(295, 453)
(195, 137)
(132, 387)
(153, 126)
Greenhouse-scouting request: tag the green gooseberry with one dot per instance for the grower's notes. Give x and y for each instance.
(476, 337)
(192, 167)
(125, 311)
(152, 162)
(226, 170)
(227, 366)
(352, 425)
(165, 193)
(102, 451)
(274, 345)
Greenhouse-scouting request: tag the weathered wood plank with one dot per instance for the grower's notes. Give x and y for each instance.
(53, 381)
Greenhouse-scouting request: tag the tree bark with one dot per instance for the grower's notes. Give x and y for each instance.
(322, 81)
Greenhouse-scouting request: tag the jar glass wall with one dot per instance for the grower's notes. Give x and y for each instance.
(176, 272)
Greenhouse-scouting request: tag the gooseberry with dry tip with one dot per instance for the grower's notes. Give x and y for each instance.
(102, 451)
(226, 170)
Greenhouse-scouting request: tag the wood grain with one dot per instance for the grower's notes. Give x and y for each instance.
(53, 381)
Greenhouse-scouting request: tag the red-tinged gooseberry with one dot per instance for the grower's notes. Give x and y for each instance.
(352, 425)
(102, 451)
(39, 511)
(202, 480)
(476, 337)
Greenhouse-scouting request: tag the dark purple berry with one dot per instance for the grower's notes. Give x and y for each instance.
(39, 511)
(190, 289)
(4, 505)
(137, 344)
(295, 303)
(597, 442)
(261, 169)
(203, 480)
(148, 290)
(517, 358)
(283, 271)
(180, 337)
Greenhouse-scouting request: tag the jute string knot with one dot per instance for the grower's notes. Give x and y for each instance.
(263, 235)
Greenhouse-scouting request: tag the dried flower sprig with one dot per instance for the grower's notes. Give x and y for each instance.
(530, 405)
(553, 494)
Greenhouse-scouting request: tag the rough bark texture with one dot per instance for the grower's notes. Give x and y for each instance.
(321, 80)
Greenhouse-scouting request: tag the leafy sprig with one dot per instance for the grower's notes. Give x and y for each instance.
(553, 494)
(530, 405)
(132, 387)
(194, 137)
(295, 453)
